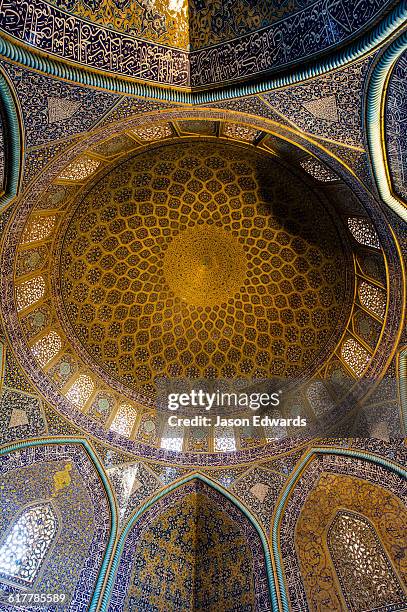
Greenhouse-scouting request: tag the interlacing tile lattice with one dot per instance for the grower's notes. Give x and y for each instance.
(200, 260)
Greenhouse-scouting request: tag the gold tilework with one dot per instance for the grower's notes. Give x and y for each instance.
(205, 265)
(158, 20)
(326, 561)
(207, 546)
(197, 260)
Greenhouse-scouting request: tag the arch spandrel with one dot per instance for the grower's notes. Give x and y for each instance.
(63, 189)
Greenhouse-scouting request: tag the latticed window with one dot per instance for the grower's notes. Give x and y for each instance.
(373, 298)
(154, 132)
(38, 229)
(240, 132)
(47, 347)
(365, 574)
(30, 292)
(318, 170)
(81, 390)
(172, 438)
(355, 355)
(24, 548)
(80, 169)
(124, 420)
(224, 439)
(363, 232)
(319, 398)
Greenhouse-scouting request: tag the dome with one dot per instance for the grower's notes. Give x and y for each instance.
(192, 253)
(164, 273)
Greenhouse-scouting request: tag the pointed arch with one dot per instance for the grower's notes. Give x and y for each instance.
(151, 504)
(375, 126)
(13, 141)
(292, 482)
(100, 478)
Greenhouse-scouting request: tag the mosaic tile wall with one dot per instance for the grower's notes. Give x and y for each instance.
(262, 42)
(328, 106)
(2, 161)
(396, 126)
(217, 546)
(289, 40)
(194, 523)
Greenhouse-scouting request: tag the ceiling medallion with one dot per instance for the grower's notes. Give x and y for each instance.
(205, 265)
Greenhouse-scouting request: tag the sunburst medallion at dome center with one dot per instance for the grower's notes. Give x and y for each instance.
(205, 265)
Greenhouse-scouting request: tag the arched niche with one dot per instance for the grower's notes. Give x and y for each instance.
(57, 521)
(323, 487)
(193, 548)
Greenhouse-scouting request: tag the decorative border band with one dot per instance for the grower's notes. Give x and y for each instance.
(403, 387)
(14, 51)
